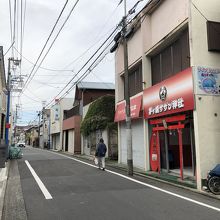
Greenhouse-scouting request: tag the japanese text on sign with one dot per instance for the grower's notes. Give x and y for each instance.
(175, 104)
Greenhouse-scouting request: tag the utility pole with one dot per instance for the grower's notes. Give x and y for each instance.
(43, 124)
(15, 120)
(8, 103)
(127, 96)
(39, 113)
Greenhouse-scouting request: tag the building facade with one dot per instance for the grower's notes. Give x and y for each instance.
(56, 122)
(31, 136)
(2, 97)
(174, 74)
(45, 129)
(86, 93)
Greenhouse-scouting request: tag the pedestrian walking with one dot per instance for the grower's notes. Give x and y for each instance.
(100, 153)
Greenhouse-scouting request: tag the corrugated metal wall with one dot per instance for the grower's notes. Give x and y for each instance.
(137, 143)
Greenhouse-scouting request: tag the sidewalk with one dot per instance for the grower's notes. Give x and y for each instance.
(162, 178)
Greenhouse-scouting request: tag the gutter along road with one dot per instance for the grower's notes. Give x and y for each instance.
(56, 186)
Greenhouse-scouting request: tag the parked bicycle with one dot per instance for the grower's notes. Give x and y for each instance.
(213, 180)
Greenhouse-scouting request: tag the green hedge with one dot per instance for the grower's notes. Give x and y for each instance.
(100, 115)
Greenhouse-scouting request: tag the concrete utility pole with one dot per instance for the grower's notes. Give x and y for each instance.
(39, 114)
(8, 103)
(127, 96)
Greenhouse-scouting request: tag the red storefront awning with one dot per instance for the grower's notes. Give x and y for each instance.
(135, 107)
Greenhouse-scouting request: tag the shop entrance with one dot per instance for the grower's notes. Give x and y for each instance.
(172, 146)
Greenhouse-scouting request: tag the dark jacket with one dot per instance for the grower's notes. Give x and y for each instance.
(101, 150)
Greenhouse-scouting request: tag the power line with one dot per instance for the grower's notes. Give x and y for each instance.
(24, 19)
(64, 69)
(44, 68)
(31, 98)
(17, 23)
(14, 25)
(9, 48)
(89, 70)
(88, 62)
(46, 43)
(10, 16)
(53, 41)
(86, 73)
(199, 11)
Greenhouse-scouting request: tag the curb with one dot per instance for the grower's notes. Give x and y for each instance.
(3, 184)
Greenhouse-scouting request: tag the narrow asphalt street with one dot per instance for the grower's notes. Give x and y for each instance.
(71, 189)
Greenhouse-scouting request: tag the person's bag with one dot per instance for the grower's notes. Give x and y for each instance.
(96, 161)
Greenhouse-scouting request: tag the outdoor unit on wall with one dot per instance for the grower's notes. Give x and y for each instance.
(213, 36)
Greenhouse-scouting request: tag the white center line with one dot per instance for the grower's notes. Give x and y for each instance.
(44, 190)
(148, 185)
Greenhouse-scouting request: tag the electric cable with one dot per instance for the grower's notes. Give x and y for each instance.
(9, 48)
(44, 68)
(24, 19)
(88, 60)
(82, 77)
(46, 43)
(21, 37)
(17, 24)
(14, 24)
(26, 84)
(31, 98)
(10, 17)
(89, 69)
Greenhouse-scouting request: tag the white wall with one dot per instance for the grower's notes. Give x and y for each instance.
(166, 18)
(138, 146)
(139, 155)
(71, 141)
(56, 126)
(207, 125)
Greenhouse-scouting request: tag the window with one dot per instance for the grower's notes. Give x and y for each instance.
(213, 33)
(171, 60)
(135, 80)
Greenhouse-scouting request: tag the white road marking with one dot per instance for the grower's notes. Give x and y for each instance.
(145, 184)
(44, 190)
(3, 178)
(3, 175)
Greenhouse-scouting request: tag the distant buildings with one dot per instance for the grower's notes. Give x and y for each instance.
(85, 94)
(59, 126)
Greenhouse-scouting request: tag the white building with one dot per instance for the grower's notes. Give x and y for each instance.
(174, 76)
(56, 121)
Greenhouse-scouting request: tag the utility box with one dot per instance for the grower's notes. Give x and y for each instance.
(3, 148)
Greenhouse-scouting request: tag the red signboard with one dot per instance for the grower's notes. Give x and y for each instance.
(7, 125)
(135, 107)
(170, 96)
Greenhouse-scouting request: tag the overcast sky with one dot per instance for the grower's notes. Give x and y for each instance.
(89, 25)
